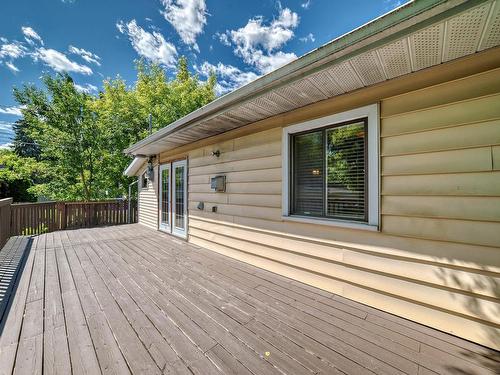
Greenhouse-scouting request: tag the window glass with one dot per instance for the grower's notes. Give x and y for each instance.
(179, 197)
(308, 178)
(329, 172)
(165, 193)
(346, 172)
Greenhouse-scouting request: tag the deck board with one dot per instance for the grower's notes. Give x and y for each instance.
(127, 299)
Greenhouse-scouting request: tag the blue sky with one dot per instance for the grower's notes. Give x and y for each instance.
(94, 40)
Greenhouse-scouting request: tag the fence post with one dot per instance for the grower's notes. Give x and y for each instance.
(5, 221)
(62, 208)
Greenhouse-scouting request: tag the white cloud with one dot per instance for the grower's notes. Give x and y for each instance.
(256, 43)
(12, 50)
(266, 63)
(229, 77)
(59, 62)
(15, 111)
(223, 38)
(308, 38)
(6, 134)
(31, 36)
(86, 55)
(188, 17)
(86, 88)
(11, 67)
(306, 4)
(152, 46)
(269, 37)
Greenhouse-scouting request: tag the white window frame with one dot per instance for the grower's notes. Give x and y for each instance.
(371, 112)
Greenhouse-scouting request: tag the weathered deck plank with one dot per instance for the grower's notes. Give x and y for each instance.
(127, 299)
(82, 350)
(55, 343)
(107, 350)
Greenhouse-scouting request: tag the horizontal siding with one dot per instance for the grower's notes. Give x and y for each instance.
(238, 166)
(148, 203)
(451, 207)
(437, 257)
(264, 187)
(465, 231)
(452, 160)
(455, 161)
(465, 136)
(459, 113)
(474, 86)
(459, 184)
(474, 258)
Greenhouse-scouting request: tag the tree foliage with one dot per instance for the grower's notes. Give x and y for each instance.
(80, 138)
(24, 145)
(18, 175)
(62, 124)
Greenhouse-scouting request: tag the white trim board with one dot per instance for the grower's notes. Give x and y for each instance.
(372, 113)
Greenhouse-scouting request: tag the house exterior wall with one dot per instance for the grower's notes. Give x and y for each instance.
(148, 202)
(436, 258)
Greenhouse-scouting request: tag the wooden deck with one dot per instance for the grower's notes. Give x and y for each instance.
(127, 299)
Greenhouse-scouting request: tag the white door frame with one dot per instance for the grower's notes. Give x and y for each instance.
(175, 230)
(166, 227)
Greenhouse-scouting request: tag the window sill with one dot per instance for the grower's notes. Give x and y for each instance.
(331, 222)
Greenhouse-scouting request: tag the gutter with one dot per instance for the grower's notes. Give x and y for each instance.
(364, 37)
(134, 166)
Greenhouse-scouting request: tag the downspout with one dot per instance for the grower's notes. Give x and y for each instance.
(130, 199)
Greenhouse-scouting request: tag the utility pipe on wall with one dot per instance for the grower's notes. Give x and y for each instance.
(130, 199)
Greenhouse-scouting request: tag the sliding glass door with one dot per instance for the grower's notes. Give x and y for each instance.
(173, 198)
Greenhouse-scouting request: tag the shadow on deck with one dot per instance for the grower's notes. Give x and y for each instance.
(127, 299)
(12, 261)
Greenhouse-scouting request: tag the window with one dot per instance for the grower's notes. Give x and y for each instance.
(144, 180)
(331, 169)
(329, 172)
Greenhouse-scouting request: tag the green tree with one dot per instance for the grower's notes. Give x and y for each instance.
(18, 176)
(62, 124)
(24, 145)
(169, 100)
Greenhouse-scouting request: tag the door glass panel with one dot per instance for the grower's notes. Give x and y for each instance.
(165, 194)
(179, 197)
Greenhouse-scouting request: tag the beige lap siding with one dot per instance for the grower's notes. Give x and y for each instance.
(148, 202)
(437, 257)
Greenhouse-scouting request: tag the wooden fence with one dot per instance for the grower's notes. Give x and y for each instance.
(5, 205)
(43, 217)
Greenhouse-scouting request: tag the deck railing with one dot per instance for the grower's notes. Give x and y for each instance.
(44, 217)
(5, 205)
